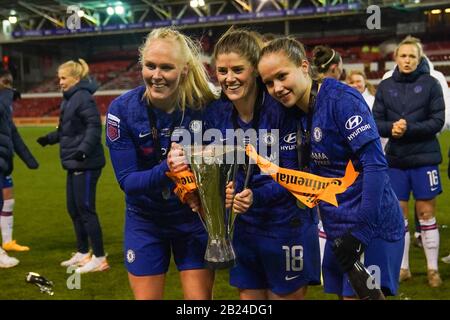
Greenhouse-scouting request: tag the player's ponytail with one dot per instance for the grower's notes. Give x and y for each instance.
(76, 68)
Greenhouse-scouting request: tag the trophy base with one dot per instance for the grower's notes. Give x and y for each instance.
(220, 265)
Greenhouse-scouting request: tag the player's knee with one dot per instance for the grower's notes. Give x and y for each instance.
(8, 205)
(425, 215)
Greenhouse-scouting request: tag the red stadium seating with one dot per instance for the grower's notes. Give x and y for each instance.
(49, 107)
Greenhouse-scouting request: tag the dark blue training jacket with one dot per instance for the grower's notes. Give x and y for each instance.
(417, 98)
(80, 128)
(6, 144)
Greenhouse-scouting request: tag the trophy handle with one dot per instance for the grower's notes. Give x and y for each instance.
(231, 214)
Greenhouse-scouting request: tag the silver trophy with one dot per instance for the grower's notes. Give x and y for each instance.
(213, 167)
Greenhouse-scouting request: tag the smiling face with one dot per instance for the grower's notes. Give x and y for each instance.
(407, 58)
(236, 76)
(162, 70)
(66, 80)
(357, 81)
(284, 80)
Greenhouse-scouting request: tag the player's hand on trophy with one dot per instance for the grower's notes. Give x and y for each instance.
(176, 159)
(229, 195)
(243, 201)
(193, 201)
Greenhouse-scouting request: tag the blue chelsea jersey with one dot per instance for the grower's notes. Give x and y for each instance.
(342, 125)
(274, 210)
(139, 168)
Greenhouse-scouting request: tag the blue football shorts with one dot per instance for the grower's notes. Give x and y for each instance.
(424, 182)
(381, 257)
(7, 182)
(149, 243)
(281, 263)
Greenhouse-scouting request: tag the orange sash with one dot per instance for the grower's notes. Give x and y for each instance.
(306, 187)
(185, 183)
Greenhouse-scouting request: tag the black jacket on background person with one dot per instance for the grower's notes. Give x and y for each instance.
(79, 129)
(6, 143)
(417, 98)
(19, 146)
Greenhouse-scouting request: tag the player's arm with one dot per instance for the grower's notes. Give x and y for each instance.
(379, 112)
(124, 158)
(366, 146)
(21, 149)
(374, 179)
(89, 115)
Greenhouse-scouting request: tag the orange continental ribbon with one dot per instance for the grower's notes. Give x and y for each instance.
(184, 183)
(309, 188)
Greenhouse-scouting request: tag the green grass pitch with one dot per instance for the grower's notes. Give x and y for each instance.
(42, 222)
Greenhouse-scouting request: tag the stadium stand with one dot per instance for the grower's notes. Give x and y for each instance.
(117, 76)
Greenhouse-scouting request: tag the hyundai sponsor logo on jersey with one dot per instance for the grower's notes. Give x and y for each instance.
(290, 138)
(352, 123)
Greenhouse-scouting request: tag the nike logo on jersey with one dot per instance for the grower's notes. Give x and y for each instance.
(434, 189)
(359, 248)
(77, 173)
(142, 135)
(287, 278)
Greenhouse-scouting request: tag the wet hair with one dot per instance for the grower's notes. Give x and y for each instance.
(369, 86)
(413, 41)
(77, 68)
(324, 57)
(6, 79)
(194, 90)
(246, 43)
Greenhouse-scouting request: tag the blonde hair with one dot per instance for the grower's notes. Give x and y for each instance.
(194, 90)
(369, 86)
(413, 41)
(247, 44)
(77, 69)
